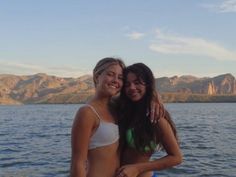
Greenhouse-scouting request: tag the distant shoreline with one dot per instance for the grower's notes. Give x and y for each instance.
(165, 97)
(198, 98)
(45, 89)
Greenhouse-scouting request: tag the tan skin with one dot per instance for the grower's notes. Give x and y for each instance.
(109, 83)
(136, 164)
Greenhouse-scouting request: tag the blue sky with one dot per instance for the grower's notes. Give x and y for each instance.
(67, 38)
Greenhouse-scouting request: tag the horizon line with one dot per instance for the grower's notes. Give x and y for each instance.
(190, 75)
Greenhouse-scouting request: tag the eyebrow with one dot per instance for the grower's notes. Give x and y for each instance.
(110, 71)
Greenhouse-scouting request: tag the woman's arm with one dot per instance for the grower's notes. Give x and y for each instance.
(170, 144)
(173, 157)
(80, 135)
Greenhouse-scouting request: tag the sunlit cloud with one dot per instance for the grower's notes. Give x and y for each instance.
(160, 72)
(225, 6)
(29, 69)
(5, 65)
(136, 35)
(172, 44)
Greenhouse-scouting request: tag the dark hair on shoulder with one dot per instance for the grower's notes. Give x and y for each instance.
(134, 114)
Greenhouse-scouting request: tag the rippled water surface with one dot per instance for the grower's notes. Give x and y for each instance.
(35, 139)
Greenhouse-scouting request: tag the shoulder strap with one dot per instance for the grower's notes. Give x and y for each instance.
(94, 110)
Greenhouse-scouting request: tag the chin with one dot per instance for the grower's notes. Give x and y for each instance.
(134, 99)
(114, 93)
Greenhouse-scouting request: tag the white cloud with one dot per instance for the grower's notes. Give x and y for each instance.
(29, 69)
(173, 44)
(19, 66)
(223, 7)
(135, 35)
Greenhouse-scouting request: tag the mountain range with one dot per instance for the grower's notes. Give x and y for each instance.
(43, 88)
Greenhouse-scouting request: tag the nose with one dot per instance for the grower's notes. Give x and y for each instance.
(116, 79)
(131, 86)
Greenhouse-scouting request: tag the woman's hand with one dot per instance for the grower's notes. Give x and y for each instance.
(128, 171)
(156, 110)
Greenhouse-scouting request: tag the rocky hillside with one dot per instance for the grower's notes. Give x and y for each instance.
(222, 84)
(42, 88)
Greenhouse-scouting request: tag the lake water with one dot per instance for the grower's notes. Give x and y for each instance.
(35, 140)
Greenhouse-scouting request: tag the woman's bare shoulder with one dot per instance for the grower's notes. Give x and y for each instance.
(163, 124)
(84, 114)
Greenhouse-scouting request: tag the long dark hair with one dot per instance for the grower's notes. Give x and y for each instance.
(134, 114)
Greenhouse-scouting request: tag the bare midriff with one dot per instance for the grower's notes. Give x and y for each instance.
(132, 156)
(103, 161)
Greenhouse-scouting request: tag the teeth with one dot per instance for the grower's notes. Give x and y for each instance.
(133, 94)
(113, 86)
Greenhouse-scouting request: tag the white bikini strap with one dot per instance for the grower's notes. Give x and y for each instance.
(94, 110)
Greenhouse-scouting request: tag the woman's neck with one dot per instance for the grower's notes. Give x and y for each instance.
(101, 100)
(140, 103)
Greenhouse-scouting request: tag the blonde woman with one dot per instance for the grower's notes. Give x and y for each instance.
(95, 133)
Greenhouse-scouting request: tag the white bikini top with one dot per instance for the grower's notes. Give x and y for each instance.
(106, 133)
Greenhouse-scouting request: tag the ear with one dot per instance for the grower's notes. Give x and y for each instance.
(96, 79)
